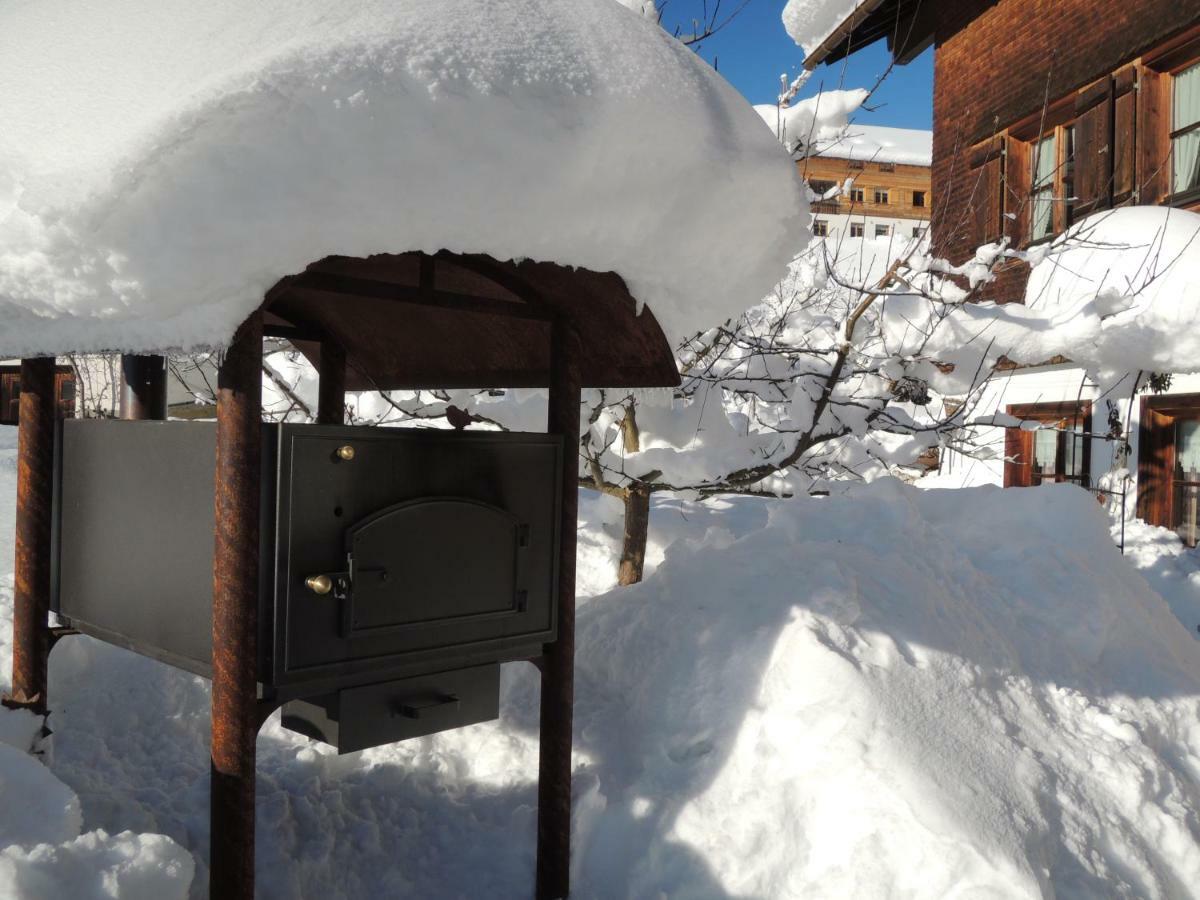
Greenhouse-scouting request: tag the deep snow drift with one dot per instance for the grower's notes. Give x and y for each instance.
(198, 152)
(894, 693)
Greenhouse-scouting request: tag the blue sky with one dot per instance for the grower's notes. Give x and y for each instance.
(753, 50)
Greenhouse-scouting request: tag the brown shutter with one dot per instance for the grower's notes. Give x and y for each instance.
(1156, 462)
(1018, 184)
(1154, 136)
(1018, 457)
(1124, 144)
(987, 162)
(1093, 148)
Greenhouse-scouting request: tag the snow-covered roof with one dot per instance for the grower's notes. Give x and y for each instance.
(878, 143)
(821, 126)
(163, 163)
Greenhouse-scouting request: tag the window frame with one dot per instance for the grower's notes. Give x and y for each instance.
(882, 192)
(820, 227)
(883, 230)
(1191, 194)
(857, 229)
(1019, 442)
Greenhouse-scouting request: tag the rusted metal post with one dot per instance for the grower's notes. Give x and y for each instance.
(558, 663)
(331, 387)
(235, 608)
(143, 387)
(31, 574)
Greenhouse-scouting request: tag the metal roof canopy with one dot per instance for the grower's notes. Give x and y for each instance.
(446, 320)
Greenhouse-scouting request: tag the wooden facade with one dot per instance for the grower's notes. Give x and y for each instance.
(10, 393)
(907, 187)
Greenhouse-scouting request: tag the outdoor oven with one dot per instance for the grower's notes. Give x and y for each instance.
(399, 567)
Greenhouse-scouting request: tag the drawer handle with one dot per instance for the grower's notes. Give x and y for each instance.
(410, 710)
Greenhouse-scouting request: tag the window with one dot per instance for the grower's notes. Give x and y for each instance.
(856, 229)
(881, 196)
(1186, 481)
(856, 195)
(881, 230)
(1068, 174)
(1185, 131)
(919, 199)
(1169, 464)
(856, 164)
(1057, 449)
(916, 231)
(820, 228)
(1044, 169)
(887, 167)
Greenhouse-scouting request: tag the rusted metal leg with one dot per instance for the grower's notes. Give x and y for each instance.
(143, 387)
(31, 595)
(331, 388)
(558, 663)
(235, 712)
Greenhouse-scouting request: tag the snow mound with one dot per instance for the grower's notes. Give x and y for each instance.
(96, 866)
(197, 152)
(810, 22)
(899, 693)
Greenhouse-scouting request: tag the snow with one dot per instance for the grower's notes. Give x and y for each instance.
(820, 120)
(878, 143)
(1119, 292)
(810, 22)
(198, 152)
(892, 693)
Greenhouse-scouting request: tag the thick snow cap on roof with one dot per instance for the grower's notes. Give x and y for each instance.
(821, 126)
(163, 163)
(810, 22)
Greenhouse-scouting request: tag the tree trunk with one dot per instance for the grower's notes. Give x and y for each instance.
(637, 527)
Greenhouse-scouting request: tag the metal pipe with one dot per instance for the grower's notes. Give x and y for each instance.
(235, 607)
(558, 664)
(143, 387)
(31, 575)
(331, 387)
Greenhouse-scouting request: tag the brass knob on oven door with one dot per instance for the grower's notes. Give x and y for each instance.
(345, 452)
(319, 584)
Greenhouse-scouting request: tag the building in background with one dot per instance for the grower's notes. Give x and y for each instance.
(1046, 111)
(875, 182)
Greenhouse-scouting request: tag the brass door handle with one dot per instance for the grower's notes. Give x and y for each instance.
(319, 584)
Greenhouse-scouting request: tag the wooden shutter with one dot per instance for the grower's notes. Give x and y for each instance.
(987, 162)
(1154, 136)
(1018, 184)
(1093, 148)
(1156, 463)
(1018, 457)
(1124, 161)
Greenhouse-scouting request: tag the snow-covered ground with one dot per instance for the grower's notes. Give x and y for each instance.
(893, 693)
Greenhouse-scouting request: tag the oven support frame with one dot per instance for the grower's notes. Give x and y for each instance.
(32, 638)
(558, 661)
(235, 707)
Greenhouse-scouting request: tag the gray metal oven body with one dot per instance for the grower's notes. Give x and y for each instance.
(437, 552)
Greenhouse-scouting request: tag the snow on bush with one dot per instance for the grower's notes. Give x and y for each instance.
(197, 152)
(1116, 293)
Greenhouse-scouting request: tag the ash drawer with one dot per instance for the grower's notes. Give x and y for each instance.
(357, 718)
